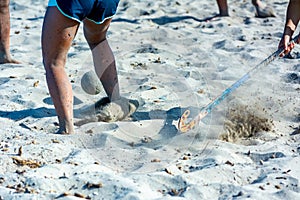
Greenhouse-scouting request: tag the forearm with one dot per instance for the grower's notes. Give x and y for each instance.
(292, 17)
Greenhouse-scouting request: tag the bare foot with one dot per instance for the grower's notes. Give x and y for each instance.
(264, 12)
(9, 60)
(223, 15)
(116, 110)
(107, 111)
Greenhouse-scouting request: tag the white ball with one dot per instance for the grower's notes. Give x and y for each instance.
(90, 83)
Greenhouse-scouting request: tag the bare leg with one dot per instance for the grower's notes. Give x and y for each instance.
(5, 56)
(104, 61)
(57, 35)
(223, 7)
(115, 107)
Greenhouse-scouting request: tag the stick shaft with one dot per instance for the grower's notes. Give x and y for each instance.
(184, 127)
(239, 82)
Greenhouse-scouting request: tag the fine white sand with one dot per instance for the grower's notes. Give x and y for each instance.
(170, 57)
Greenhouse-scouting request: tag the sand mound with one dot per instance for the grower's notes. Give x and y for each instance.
(244, 122)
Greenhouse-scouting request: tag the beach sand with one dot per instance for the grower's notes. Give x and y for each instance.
(171, 56)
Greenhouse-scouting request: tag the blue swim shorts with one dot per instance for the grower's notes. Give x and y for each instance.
(95, 10)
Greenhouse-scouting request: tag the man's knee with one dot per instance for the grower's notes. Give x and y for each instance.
(95, 30)
(94, 33)
(54, 61)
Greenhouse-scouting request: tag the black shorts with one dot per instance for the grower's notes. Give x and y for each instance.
(95, 10)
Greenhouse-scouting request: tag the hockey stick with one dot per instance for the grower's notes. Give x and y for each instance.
(184, 125)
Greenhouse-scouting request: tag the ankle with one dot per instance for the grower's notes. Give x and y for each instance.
(66, 127)
(257, 4)
(223, 12)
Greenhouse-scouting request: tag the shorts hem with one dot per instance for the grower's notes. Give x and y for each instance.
(62, 12)
(101, 22)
